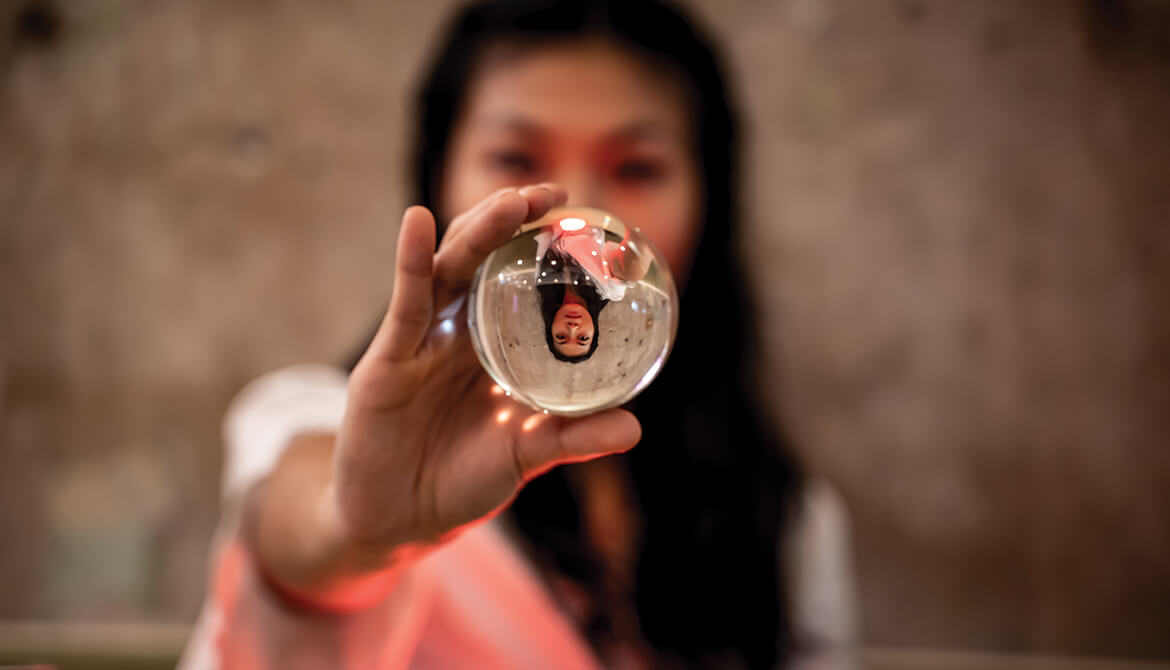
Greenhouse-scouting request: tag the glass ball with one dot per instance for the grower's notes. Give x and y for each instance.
(575, 314)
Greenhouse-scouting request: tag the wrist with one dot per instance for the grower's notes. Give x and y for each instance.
(337, 575)
(341, 594)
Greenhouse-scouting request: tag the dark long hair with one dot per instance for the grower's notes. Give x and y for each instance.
(552, 296)
(716, 483)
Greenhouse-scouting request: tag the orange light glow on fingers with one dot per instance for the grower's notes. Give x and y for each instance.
(532, 422)
(503, 416)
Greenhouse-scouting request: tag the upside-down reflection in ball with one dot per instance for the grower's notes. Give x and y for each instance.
(576, 313)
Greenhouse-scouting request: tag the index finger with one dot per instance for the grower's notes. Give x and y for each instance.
(456, 261)
(411, 306)
(538, 196)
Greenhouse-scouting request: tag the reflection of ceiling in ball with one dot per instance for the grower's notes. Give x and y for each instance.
(572, 223)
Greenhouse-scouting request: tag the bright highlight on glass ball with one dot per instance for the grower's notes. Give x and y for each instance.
(575, 314)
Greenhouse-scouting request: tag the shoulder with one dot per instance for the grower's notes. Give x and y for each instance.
(271, 410)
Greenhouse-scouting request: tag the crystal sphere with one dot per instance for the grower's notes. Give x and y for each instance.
(575, 314)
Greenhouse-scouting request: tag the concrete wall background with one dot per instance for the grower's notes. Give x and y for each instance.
(958, 224)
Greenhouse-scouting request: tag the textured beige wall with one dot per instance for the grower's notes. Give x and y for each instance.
(958, 228)
(962, 212)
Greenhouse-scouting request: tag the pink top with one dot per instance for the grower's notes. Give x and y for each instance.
(475, 602)
(587, 248)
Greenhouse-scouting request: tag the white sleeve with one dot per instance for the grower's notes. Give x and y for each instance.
(543, 240)
(258, 426)
(611, 288)
(270, 411)
(822, 592)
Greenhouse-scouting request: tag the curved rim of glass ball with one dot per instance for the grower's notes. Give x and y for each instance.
(570, 220)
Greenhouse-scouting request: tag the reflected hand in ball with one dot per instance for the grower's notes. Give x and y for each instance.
(575, 314)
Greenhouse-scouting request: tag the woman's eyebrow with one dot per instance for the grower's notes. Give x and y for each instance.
(645, 129)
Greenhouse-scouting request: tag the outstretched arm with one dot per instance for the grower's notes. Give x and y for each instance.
(424, 450)
(425, 447)
(626, 260)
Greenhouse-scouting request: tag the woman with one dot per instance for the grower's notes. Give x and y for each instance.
(361, 538)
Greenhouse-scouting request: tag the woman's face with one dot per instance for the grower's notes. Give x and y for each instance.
(572, 330)
(593, 118)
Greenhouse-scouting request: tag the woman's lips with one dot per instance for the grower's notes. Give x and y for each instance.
(573, 315)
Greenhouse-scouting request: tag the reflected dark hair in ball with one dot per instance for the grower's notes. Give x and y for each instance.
(715, 480)
(552, 296)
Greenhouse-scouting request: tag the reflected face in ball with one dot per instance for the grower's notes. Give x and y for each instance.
(593, 117)
(573, 329)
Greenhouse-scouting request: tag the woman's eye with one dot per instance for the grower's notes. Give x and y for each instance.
(639, 171)
(514, 162)
(583, 339)
(560, 338)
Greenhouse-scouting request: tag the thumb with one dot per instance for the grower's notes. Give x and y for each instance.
(548, 441)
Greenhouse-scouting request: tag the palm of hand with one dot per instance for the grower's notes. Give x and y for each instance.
(436, 448)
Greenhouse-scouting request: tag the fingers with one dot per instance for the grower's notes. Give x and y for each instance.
(412, 306)
(543, 197)
(422, 275)
(535, 194)
(546, 442)
(485, 228)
